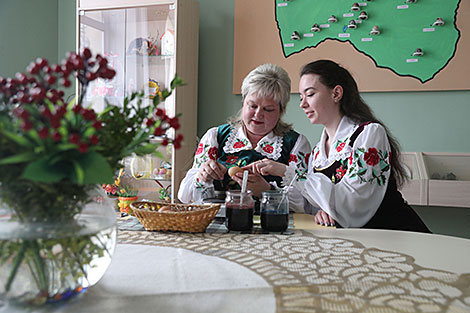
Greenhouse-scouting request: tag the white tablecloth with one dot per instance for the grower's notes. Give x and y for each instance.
(324, 269)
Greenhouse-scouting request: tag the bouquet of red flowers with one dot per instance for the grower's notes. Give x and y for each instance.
(53, 154)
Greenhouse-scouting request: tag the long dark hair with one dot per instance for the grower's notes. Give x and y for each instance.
(353, 106)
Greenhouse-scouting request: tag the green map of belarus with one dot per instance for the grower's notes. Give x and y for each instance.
(415, 38)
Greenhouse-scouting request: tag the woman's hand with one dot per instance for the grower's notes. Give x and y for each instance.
(266, 167)
(211, 170)
(256, 183)
(323, 218)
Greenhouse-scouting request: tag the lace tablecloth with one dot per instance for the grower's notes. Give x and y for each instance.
(319, 270)
(309, 273)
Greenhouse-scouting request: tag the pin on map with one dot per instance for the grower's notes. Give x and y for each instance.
(332, 19)
(418, 52)
(295, 35)
(363, 15)
(315, 28)
(438, 22)
(352, 24)
(375, 30)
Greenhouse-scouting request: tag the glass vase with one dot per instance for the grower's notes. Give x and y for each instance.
(46, 260)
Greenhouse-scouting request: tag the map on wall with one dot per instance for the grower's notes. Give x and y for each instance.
(393, 45)
(412, 38)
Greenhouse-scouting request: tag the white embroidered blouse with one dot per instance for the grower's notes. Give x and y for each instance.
(362, 181)
(269, 146)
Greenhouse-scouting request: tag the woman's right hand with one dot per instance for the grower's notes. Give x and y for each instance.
(211, 170)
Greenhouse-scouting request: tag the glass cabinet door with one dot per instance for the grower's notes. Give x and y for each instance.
(147, 42)
(139, 44)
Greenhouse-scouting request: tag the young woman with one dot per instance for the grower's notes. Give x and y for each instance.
(354, 170)
(256, 133)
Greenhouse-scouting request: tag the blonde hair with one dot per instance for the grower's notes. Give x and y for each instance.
(267, 81)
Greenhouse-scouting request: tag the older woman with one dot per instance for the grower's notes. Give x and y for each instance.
(257, 133)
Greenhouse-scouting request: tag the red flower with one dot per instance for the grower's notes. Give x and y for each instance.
(174, 123)
(158, 131)
(97, 125)
(231, 159)
(43, 132)
(83, 147)
(340, 147)
(238, 145)
(94, 140)
(268, 149)
(213, 153)
(340, 172)
(200, 148)
(351, 158)
(159, 112)
(293, 158)
(371, 157)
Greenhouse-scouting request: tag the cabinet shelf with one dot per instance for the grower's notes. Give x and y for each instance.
(151, 59)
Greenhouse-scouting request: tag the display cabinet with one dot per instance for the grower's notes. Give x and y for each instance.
(147, 42)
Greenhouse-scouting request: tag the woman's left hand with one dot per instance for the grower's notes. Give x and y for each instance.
(256, 183)
(266, 167)
(323, 218)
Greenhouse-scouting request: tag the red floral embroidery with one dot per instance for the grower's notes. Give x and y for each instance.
(200, 148)
(213, 153)
(293, 158)
(390, 157)
(231, 159)
(340, 146)
(238, 145)
(316, 154)
(340, 172)
(307, 158)
(351, 158)
(371, 157)
(268, 149)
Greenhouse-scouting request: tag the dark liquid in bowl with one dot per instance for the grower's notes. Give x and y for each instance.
(274, 222)
(238, 219)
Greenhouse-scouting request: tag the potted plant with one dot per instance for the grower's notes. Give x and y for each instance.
(125, 193)
(57, 229)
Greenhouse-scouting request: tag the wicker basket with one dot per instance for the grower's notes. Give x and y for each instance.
(189, 218)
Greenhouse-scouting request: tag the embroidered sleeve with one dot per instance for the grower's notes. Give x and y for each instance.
(298, 166)
(207, 149)
(300, 155)
(354, 200)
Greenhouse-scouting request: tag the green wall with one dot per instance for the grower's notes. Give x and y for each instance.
(28, 30)
(422, 121)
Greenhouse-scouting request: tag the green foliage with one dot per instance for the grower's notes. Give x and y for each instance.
(51, 150)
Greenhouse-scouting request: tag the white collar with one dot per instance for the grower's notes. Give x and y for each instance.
(270, 145)
(339, 146)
